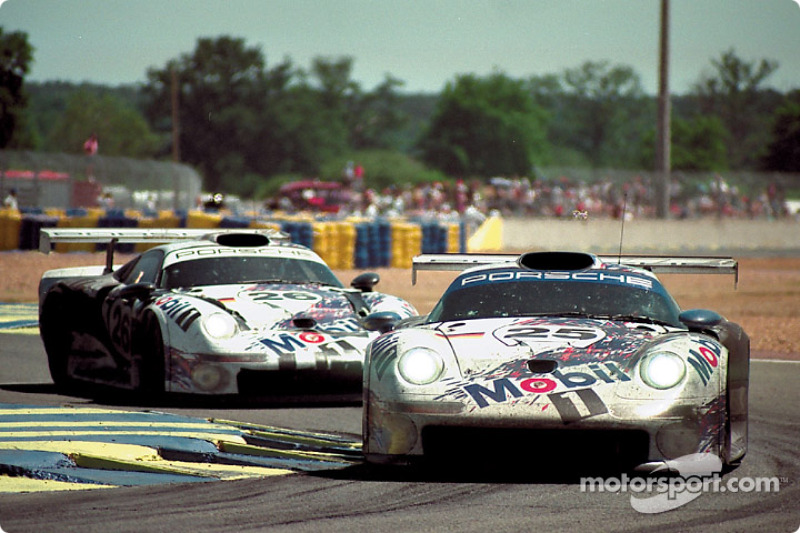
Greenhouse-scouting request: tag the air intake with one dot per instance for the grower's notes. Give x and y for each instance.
(556, 261)
(240, 240)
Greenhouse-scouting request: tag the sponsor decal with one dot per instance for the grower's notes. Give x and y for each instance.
(383, 352)
(311, 337)
(345, 325)
(288, 343)
(501, 389)
(705, 359)
(182, 312)
(283, 343)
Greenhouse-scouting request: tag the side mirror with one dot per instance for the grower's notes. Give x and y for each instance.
(382, 321)
(140, 291)
(700, 319)
(366, 281)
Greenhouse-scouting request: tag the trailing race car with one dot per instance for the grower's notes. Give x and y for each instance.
(557, 358)
(232, 312)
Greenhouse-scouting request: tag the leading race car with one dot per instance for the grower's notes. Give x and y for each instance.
(232, 312)
(557, 358)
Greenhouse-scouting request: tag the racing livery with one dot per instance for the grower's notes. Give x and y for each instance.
(558, 354)
(230, 312)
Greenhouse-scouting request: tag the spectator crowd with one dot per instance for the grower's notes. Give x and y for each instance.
(562, 197)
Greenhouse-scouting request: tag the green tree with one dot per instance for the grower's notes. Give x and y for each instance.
(15, 57)
(783, 152)
(606, 107)
(732, 91)
(380, 119)
(698, 144)
(484, 127)
(121, 129)
(222, 90)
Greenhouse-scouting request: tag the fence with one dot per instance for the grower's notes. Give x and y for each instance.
(55, 180)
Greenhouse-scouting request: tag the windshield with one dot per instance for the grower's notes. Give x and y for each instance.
(242, 269)
(556, 298)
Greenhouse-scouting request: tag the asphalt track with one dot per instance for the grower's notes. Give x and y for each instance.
(296, 468)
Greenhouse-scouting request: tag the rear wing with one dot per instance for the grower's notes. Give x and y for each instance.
(659, 264)
(113, 236)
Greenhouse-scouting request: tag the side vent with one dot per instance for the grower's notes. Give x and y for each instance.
(562, 261)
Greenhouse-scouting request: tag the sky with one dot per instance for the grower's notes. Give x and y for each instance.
(423, 43)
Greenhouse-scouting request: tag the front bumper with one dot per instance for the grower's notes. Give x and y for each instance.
(262, 375)
(402, 432)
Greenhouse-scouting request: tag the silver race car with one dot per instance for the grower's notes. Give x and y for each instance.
(232, 312)
(557, 356)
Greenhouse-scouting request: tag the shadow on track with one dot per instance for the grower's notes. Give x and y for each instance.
(100, 395)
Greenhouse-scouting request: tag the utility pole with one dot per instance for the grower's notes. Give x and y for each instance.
(663, 124)
(176, 147)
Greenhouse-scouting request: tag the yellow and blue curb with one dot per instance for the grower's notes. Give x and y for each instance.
(19, 318)
(68, 448)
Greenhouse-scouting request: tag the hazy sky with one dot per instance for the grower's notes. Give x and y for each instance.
(424, 43)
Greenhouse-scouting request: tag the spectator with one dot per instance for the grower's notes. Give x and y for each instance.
(10, 201)
(91, 145)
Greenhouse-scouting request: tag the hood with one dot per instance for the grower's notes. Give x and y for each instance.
(505, 346)
(274, 306)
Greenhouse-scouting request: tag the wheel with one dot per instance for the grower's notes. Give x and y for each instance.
(56, 330)
(736, 393)
(151, 360)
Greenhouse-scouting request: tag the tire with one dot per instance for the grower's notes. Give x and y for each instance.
(151, 361)
(56, 331)
(737, 342)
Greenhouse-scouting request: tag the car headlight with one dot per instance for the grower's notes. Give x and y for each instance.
(662, 370)
(420, 366)
(220, 326)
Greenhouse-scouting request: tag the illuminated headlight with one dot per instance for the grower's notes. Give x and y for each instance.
(220, 326)
(420, 366)
(662, 370)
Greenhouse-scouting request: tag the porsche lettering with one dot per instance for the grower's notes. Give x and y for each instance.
(518, 275)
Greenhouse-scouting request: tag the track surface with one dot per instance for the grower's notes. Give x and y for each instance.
(359, 499)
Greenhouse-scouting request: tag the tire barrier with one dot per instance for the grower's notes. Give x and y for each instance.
(406, 243)
(10, 226)
(354, 243)
(30, 227)
(118, 218)
(78, 218)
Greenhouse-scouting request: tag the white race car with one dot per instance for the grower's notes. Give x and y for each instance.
(553, 358)
(229, 312)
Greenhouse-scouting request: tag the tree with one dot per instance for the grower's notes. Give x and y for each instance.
(15, 57)
(485, 127)
(698, 144)
(121, 129)
(732, 91)
(783, 152)
(379, 119)
(222, 98)
(606, 107)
